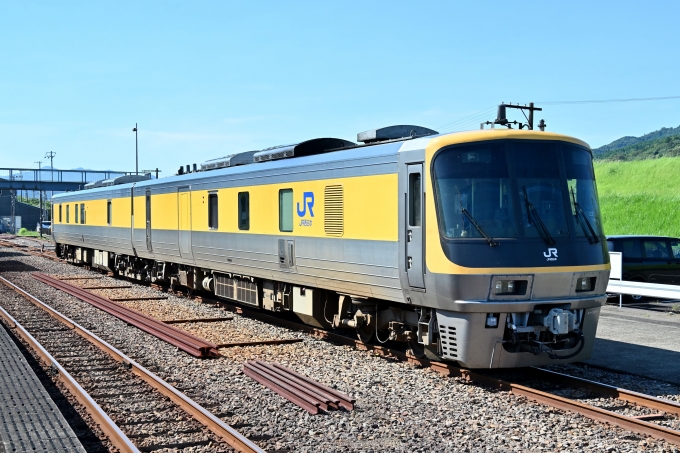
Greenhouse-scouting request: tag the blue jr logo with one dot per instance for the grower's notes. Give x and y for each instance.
(307, 202)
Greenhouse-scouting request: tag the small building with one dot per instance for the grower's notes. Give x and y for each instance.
(30, 215)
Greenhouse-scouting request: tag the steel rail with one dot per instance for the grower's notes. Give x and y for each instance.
(592, 412)
(109, 428)
(189, 343)
(648, 401)
(213, 423)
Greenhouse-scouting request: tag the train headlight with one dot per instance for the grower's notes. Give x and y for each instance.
(585, 284)
(505, 287)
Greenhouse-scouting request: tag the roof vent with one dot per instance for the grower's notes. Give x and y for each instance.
(308, 148)
(394, 133)
(231, 160)
(124, 180)
(95, 184)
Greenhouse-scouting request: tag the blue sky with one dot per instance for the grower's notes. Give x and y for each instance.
(208, 78)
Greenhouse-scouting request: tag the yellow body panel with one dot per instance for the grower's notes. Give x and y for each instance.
(370, 209)
(436, 260)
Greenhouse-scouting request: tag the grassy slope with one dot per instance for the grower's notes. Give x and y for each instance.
(640, 197)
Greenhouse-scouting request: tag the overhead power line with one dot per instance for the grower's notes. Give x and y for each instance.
(604, 101)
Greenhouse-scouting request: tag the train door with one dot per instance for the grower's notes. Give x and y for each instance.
(414, 226)
(184, 210)
(148, 220)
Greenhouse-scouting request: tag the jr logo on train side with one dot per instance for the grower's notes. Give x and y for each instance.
(307, 203)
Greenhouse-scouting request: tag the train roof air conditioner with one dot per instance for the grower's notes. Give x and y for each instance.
(307, 148)
(394, 133)
(231, 160)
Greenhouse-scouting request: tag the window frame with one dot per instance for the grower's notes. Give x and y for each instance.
(60, 213)
(82, 213)
(68, 216)
(213, 217)
(243, 225)
(109, 212)
(75, 208)
(282, 192)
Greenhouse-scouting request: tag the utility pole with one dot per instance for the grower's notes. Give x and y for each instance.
(40, 191)
(50, 156)
(134, 129)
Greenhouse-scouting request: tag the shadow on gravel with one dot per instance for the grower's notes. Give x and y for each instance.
(655, 363)
(15, 266)
(83, 432)
(8, 253)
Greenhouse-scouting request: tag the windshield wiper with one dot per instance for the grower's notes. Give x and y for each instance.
(581, 217)
(492, 242)
(472, 220)
(540, 226)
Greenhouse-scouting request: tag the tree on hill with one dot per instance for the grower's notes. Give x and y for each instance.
(668, 146)
(625, 142)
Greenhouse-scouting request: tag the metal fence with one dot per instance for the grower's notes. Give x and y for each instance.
(54, 175)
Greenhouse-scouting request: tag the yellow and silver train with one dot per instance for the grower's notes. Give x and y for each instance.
(484, 247)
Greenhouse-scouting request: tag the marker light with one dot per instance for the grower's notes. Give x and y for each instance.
(505, 287)
(585, 284)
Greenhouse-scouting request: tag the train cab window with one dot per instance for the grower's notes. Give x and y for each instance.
(414, 200)
(75, 211)
(108, 212)
(212, 211)
(82, 213)
(244, 211)
(67, 214)
(286, 210)
(59, 213)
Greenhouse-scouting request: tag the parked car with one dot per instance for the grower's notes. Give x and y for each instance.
(651, 259)
(46, 227)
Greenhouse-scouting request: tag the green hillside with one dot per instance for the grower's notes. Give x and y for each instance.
(653, 149)
(640, 197)
(628, 141)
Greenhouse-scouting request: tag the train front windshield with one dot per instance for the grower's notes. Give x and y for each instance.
(516, 189)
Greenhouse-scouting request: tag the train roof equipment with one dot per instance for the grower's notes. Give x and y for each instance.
(118, 180)
(399, 132)
(306, 148)
(231, 160)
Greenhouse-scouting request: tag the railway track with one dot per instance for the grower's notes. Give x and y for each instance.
(654, 412)
(145, 413)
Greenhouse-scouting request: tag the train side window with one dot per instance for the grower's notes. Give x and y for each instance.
(109, 212)
(59, 213)
(631, 249)
(82, 213)
(414, 200)
(75, 211)
(67, 212)
(212, 211)
(286, 210)
(244, 210)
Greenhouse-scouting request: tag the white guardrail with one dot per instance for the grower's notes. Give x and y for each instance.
(618, 286)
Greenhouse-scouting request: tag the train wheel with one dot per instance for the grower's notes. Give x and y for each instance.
(366, 334)
(416, 349)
